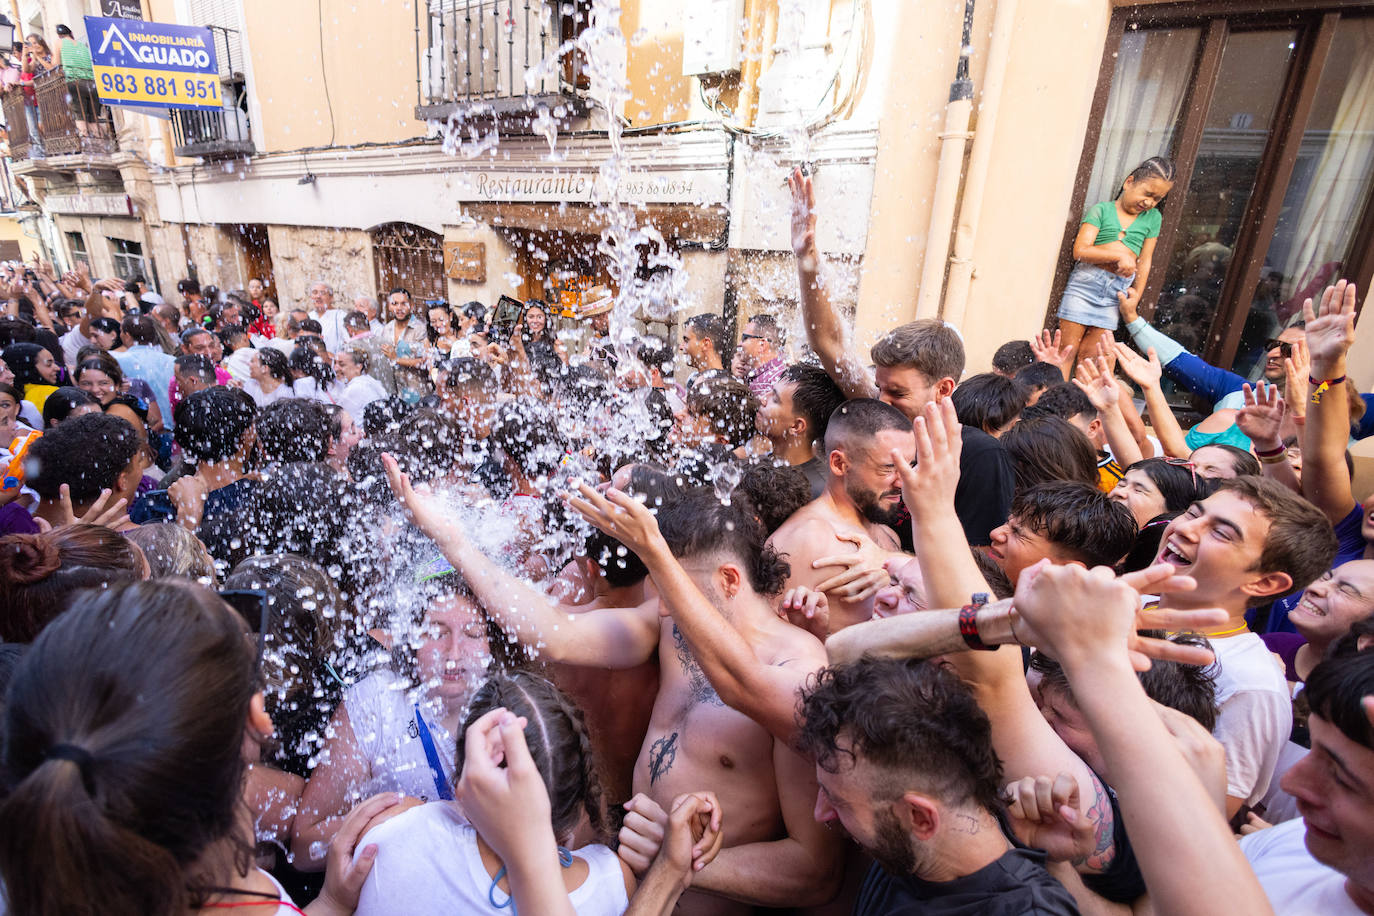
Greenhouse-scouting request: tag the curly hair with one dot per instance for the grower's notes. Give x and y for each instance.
(911, 719)
(699, 524)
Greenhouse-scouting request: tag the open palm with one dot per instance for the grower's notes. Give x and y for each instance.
(1330, 326)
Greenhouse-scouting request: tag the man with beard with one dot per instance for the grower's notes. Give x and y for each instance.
(855, 515)
(905, 763)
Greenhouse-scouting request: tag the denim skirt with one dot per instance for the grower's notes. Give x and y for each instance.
(1090, 297)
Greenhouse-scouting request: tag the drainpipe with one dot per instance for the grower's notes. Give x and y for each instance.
(953, 141)
(966, 233)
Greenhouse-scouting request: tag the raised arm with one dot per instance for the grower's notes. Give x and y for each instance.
(603, 638)
(1096, 381)
(1147, 372)
(1330, 329)
(1261, 420)
(1085, 619)
(825, 332)
(766, 693)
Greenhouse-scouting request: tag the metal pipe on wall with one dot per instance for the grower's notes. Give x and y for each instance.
(953, 142)
(971, 207)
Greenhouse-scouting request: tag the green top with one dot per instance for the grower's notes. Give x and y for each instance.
(76, 60)
(1103, 216)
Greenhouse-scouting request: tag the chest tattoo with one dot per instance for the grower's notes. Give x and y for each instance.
(700, 688)
(662, 754)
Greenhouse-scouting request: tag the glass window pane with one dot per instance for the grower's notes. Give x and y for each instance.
(1253, 68)
(1330, 184)
(1153, 70)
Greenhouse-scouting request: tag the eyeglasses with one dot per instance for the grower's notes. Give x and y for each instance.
(1184, 463)
(1284, 347)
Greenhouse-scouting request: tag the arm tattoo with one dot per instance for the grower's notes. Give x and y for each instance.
(1101, 816)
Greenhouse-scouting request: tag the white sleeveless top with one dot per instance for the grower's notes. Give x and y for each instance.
(428, 862)
(382, 714)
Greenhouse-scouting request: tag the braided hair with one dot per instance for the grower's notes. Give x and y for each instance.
(558, 742)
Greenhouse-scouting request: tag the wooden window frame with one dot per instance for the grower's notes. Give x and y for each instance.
(1316, 27)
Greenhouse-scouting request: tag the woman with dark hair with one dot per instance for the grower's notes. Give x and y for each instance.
(67, 403)
(1156, 490)
(36, 373)
(270, 376)
(396, 728)
(40, 572)
(1048, 449)
(10, 424)
(106, 333)
(428, 847)
(542, 348)
(103, 380)
(440, 327)
(312, 375)
(131, 725)
(472, 330)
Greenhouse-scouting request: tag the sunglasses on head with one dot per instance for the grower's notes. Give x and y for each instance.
(1184, 463)
(1284, 347)
(253, 606)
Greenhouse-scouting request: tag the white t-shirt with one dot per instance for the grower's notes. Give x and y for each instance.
(1279, 805)
(72, 342)
(280, 393)
(428, 862)
(382, 713)
(310, 389)
(358, 393)
(1296, 883)
(1255, 713)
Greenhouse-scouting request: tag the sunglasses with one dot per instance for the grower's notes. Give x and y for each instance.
(1284, 347)
(1184, 463)
(252, 605)
(744, 337)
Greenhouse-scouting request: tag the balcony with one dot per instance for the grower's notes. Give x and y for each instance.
(504, 60)
(222, 134)
(71, 121)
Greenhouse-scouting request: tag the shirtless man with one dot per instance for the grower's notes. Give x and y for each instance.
(618, 703)
(774, 853)
(861, 505)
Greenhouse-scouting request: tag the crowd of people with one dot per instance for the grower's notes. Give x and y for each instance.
(401, 608)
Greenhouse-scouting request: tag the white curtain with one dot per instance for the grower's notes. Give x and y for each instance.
(1153, 70)
(1342, 177)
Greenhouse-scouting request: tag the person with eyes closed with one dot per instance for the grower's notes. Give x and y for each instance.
(1323, 614)
(852, 523)
(1252, 541)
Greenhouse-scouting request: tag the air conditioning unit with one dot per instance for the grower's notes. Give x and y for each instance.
(711, 31)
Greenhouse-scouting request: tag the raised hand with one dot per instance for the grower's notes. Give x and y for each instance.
(423, 509)
(1262, 416)
(929, 487)
(1048, 349)
(1070, 611)
(1145, 371)
(803, 215)
(1296, 370)
(1330, 329)
(619, 515)
(1094, 378)
(105, 511)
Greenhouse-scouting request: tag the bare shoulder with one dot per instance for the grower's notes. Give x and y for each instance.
(807, 525)
(788, 646)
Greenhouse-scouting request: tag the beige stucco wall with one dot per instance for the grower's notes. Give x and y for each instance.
(11, 231)
(368, 66)
(1038, 137)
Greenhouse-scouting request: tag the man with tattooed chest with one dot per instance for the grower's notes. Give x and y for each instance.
(774, 854)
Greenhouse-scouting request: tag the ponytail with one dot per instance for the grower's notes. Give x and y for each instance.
(123, 758)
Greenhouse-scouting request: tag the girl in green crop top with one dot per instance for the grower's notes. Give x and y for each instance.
(1113, 248)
